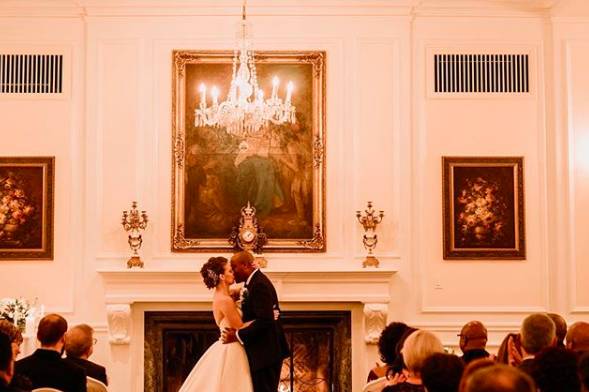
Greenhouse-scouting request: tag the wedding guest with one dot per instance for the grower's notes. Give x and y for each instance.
(45, 367)
(537, 333)
(577, 338)
(471, 368)
(387, 347)
(7, 366)
(510, 350)
(19, 382)
(500, 378)
(584, 371)
(399, 364)
(555, 370)
(442, 373)
(16, 339)
(419, 346)
(473, 341)
(561, 328)
(79, 346)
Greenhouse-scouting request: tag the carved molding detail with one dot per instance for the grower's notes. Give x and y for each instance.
(375, 320)
(119, 323)
(317, 242)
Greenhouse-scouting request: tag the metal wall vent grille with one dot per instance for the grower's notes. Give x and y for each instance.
(481, 73)
(31, 74)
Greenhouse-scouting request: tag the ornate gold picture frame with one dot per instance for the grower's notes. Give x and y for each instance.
(26, 208)
(280, 171)
(483, 208)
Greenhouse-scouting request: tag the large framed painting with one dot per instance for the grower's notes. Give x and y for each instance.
(26, 208)
(483, 208)
(280, 170)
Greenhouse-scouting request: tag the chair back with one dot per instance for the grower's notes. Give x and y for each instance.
(375, 385)
(94, 385)
(46, 389)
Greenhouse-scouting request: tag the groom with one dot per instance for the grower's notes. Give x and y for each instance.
(263, 340)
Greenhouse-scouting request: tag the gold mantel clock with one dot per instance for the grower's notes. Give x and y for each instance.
(249, 235)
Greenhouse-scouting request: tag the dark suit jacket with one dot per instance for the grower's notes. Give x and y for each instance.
(264, 340)
(45, 368)
(7, 388)
(93, 370)
(476, 353)
(527, 366)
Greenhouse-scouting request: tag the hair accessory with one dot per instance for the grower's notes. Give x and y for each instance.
(213, 275)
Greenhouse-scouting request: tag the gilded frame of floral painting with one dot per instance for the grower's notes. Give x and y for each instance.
(483, 208)
(26, 208)
(282, 173)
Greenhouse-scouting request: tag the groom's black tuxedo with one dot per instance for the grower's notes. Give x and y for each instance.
(263, 340)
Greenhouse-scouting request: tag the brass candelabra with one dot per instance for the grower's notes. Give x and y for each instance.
(134, 223)
(369, 220)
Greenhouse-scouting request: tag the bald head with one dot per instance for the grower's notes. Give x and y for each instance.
(79, 341)
(577, 338)
(473, 336)
(243, 265)
(500, 378)
(51, 331)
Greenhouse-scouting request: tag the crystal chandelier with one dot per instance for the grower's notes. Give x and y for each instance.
(245, 111)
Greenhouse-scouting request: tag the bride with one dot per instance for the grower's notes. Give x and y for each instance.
(223, 367)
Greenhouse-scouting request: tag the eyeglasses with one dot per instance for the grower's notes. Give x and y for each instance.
(94, 341)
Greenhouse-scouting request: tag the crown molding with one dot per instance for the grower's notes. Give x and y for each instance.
(138, 8)
(484, 8)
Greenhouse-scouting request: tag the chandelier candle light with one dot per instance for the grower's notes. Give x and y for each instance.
(245, 111)
(134, 223)
(369, 221)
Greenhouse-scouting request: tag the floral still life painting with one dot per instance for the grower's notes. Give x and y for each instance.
(483, 208)
(26, 208)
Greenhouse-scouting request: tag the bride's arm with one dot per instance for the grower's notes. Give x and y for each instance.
(230, 312)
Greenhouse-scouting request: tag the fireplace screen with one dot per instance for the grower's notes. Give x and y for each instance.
(320, 345)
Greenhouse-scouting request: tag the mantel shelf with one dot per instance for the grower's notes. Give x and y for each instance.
(366, 285)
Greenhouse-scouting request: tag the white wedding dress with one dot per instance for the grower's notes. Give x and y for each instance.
(222, 368)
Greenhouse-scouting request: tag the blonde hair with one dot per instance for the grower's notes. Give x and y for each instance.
(419, 346)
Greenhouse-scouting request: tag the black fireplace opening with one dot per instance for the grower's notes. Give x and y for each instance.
(320, 343)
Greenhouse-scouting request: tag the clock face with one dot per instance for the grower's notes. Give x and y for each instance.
(247, 235)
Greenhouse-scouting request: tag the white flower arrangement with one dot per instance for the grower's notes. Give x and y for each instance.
(15, 310)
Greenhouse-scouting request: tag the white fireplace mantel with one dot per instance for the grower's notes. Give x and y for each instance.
(369, 286)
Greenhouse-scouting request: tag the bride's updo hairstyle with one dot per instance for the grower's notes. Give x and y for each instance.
(211, 270)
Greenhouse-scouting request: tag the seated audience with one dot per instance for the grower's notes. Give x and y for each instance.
(6, 362)
(473, 341)
(16, 339)
(399, 364)
(472, 367)
(537, 333)
(499, 378)
(510, 350)
(561, 328)
(387, 344)
(584, 371)
(555, 370)
(79, 345)
(442, 373)
(577, 338)
(419, 346)
(19, 382)
(45, 367)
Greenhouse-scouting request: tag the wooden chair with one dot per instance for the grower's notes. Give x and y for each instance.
(95, 385)
(46, 389)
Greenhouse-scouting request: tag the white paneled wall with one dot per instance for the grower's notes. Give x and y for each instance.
(386, 134)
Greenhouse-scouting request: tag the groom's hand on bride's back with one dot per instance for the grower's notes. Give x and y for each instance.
(228, 335)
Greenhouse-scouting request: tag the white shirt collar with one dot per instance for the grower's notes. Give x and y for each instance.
(250, 277)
